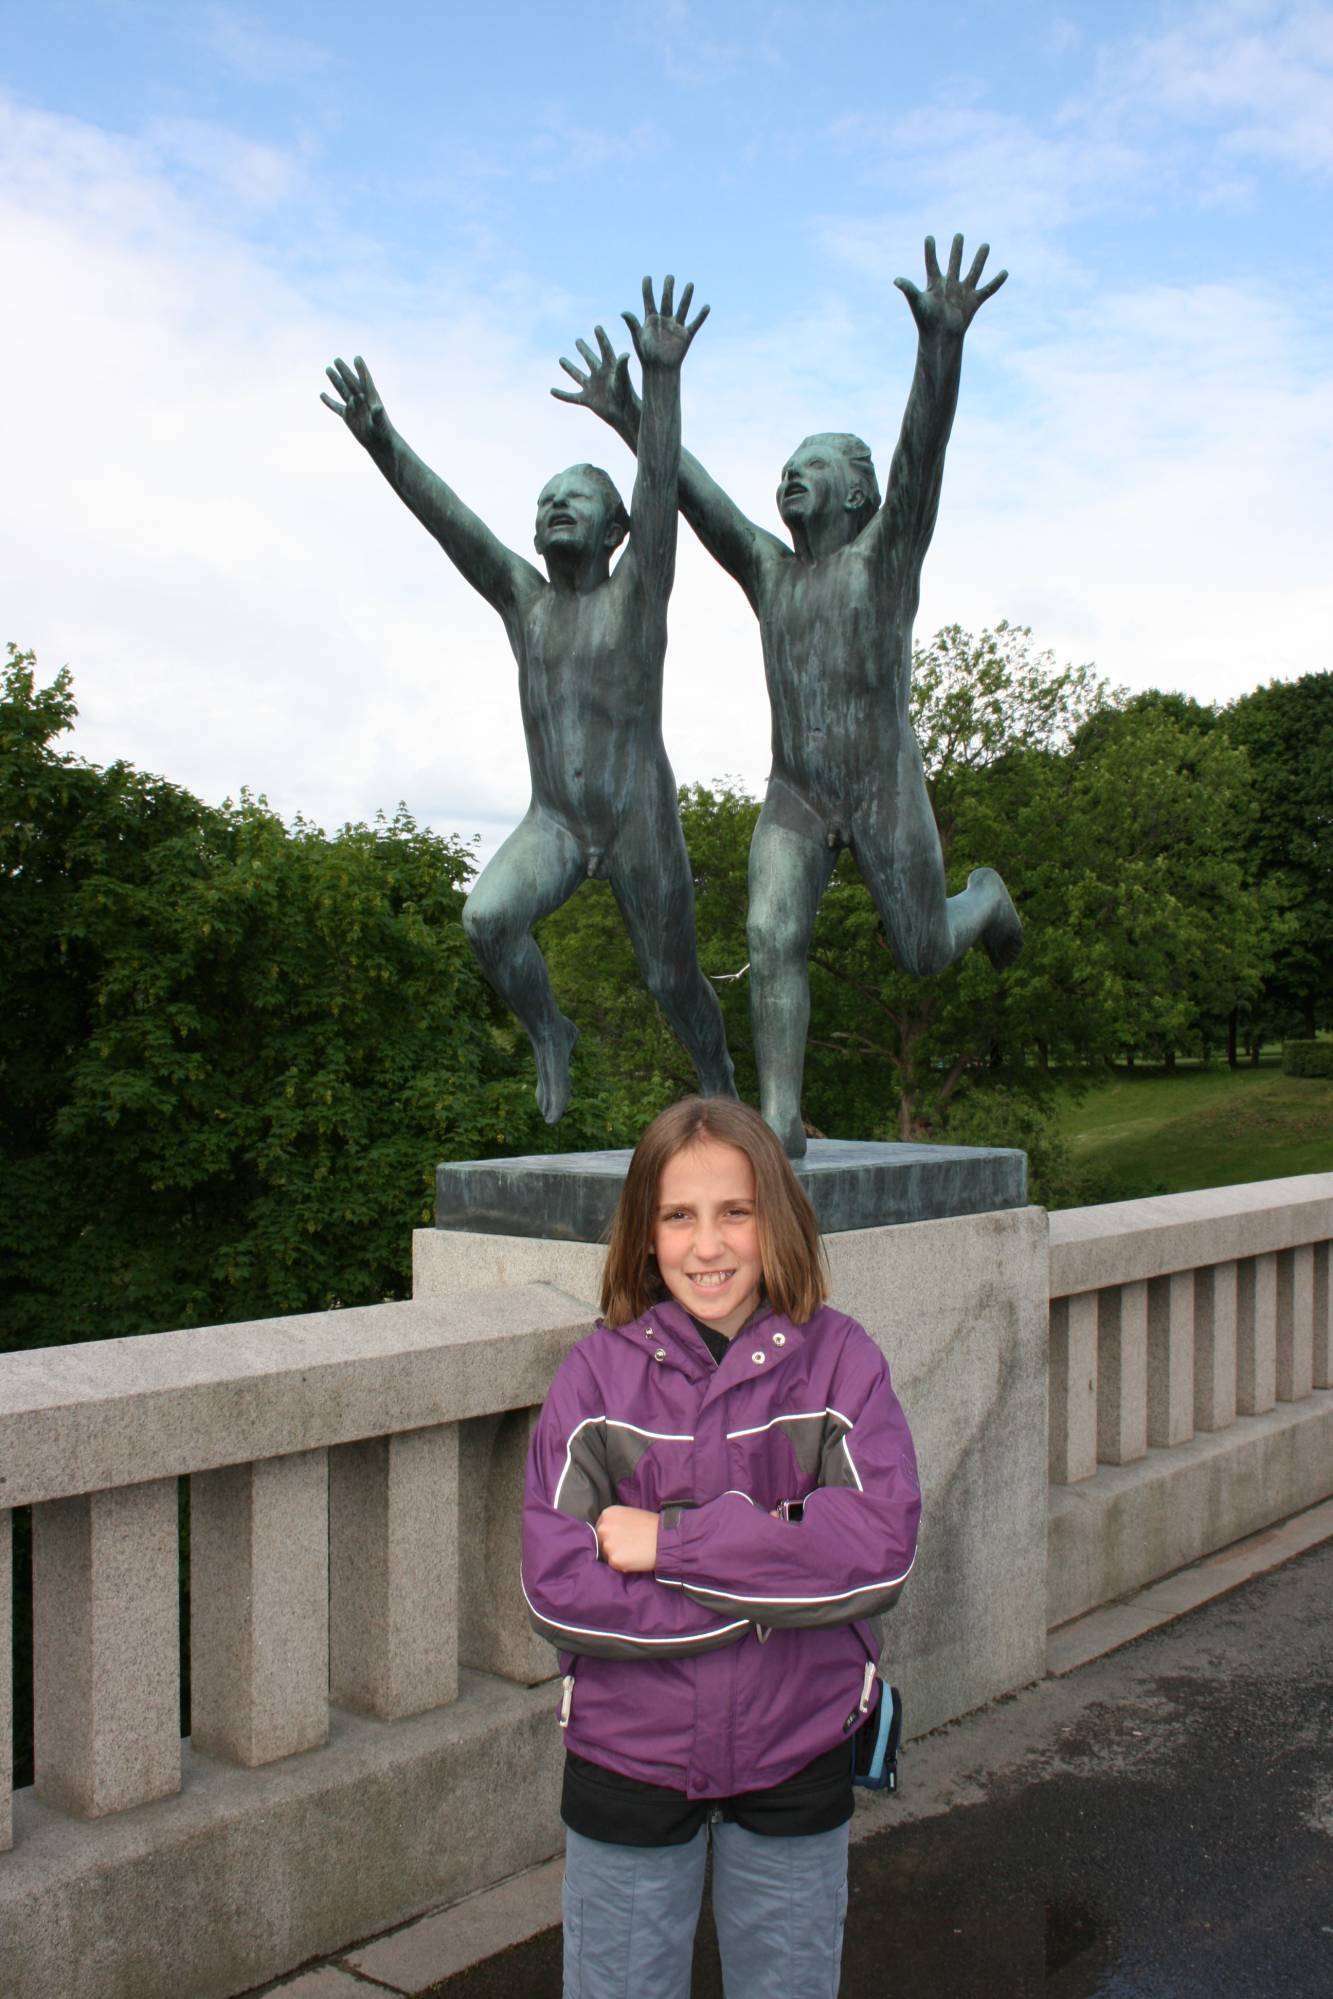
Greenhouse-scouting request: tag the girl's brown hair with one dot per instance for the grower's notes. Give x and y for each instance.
(790, 1251)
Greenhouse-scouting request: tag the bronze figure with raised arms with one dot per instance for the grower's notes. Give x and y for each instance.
(590, 642)
(835, 614)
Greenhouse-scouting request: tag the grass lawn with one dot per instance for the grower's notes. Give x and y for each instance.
(1146, 1131)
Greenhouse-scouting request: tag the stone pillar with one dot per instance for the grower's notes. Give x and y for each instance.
(1073, 1388)
(1323, 1315)
(1171, 1359)
(1256, 1335)
(1295, 1323)
(106, 1649)
(6, 1682)
(1215, 1346)
(495, 1634)
(259, 1608)
(1122, 1373)
(393, 1573)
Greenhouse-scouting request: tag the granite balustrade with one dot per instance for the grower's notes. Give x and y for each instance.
(1098, 1396)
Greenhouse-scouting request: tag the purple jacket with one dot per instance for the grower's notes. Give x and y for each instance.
(752, 1649)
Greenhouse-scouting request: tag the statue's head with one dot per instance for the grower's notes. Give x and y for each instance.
(580, 512)
(831, 472)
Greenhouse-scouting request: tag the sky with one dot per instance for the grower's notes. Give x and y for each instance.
(201, 205)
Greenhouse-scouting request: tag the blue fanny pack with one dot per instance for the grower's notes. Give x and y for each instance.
(875, 1744)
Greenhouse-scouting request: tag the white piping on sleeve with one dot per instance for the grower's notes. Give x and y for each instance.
(628, 1637)
(835, 1596)
(569, 1455)
(851, 1461)
(612, 1423)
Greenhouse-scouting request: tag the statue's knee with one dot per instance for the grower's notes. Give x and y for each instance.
(773, 932)
(923, 957)
(486, 928)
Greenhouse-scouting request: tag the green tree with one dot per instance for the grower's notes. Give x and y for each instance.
(231, 1052)
(1122, 829)
(1286, 730)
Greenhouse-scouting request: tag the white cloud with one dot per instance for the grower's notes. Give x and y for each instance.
(242, 599)
(1141, 474)
(1261, 70)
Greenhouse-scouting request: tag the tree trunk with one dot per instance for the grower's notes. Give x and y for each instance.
(1044, 1057)
(1307, 1009)
(1233, 1029)
(1169, 1061)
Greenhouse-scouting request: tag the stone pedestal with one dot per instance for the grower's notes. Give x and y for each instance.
(571, 1196)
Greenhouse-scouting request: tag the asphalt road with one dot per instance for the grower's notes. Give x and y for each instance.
(1156, 1825)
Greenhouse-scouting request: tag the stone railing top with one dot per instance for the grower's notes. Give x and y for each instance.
(1125, 1241)
(119, 1412)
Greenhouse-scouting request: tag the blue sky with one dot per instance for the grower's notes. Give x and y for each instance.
(200, 205)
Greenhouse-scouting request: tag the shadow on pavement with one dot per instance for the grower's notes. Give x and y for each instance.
(1172, 1838)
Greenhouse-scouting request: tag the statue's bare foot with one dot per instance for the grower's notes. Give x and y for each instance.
(1002, 937)
(553, 1054)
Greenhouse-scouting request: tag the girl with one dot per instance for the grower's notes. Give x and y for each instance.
(721, 1500)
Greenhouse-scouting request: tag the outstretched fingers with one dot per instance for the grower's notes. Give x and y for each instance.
(989, 291)
(955, 259)
(340, 409)
(932, 262)
(978, 265)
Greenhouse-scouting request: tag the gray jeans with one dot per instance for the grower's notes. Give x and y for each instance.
(631, 1911)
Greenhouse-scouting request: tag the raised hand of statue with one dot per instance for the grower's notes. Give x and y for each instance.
(606, 389)
(361, 409)
(949, 303)
(663, 339)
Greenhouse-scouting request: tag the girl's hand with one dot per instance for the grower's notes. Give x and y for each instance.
(627, 1539)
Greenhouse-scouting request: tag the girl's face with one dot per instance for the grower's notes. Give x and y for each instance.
(706, 1235)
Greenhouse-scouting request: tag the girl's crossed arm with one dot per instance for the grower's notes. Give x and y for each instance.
(574, 1598)
(851, 1552)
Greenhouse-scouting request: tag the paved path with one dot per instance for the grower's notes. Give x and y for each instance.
(1156, 1824)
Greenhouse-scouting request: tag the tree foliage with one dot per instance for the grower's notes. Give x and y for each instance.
(232, 1051)
(1286, 731)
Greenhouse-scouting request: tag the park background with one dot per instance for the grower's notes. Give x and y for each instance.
(234, 1043)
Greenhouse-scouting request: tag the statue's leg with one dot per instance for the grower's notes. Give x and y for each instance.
(897, 849)
(538, 867)
(790, 864)
(649, 870)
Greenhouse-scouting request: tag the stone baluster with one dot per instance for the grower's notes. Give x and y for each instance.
(6, 1682)
(496, 1635)
(259, 1608)
(1294, 1377)
(1073, 1452)
(1323, 1315)
(1256, 1335)
(1171, 1359)
(1215, 1346)
(1122, 1373)
(106, 1649)
(393, 1573)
